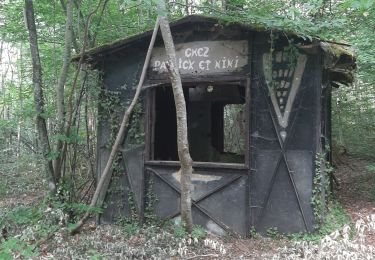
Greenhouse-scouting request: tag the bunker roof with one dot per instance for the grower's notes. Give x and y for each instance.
(339, 59)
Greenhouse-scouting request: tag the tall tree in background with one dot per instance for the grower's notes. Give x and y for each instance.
(61, 83)
(182, 135)
(38, 94)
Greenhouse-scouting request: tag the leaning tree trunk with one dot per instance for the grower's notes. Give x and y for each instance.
(105, 177)
(182, 135)
(38, 94)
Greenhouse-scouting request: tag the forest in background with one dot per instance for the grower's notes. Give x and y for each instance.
(72, 96)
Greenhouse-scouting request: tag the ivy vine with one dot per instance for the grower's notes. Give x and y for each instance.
(321, 188)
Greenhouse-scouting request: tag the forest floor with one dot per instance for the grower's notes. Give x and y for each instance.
(356, 192)
(352, 236)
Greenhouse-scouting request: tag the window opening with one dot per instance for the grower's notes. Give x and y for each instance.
(216, 123)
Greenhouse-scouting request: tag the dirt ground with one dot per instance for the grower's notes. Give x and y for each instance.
(355, 191)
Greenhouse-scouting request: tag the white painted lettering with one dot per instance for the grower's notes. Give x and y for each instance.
(194, 52)
(188, 52)
(191, 63)
(185, 64)
(201, 65)
(163, 66)
(205, 53)
(224, 60)
(208, 62)
(229, 63)
(200, 52)
(217, 64)
(197, 59)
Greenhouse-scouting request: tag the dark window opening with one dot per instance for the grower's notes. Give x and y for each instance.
(216, 123)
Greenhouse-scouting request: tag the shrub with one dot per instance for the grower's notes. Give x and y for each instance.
(198, 232)
(16, 248)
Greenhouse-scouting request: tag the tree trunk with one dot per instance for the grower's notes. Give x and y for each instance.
(74, 34)
(89, 154)
(20, 96)
(187, 7)
(182, 135)
(38, 94)
(223, 5)
(70, 106)
(81, 20)
(61, 84)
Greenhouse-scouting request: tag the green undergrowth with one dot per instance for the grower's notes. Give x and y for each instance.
(14, 248)
(21, 177)
(23, 226)
(147, 242)
(335, 219)
(3, 188)
(21, 215)
(371, 190)
(131, 227)
(179, 231)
